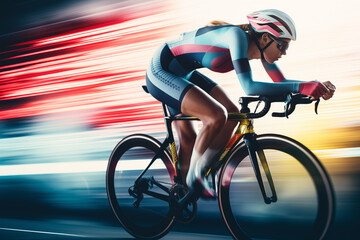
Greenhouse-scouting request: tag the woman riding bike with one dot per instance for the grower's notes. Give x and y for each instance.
(172, 78)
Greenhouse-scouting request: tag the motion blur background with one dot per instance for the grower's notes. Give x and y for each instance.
(70, 89)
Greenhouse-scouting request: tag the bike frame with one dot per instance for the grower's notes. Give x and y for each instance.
(245, 130)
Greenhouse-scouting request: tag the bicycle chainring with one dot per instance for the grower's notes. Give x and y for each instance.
(186, 213)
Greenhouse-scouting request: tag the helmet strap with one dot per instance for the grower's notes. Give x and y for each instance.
(258, 45)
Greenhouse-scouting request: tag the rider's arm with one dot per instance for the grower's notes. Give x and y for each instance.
(313, 88)
(275, 74)
(238, 44)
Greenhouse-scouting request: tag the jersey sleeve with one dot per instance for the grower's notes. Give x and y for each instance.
(237, 42)
(275, 74)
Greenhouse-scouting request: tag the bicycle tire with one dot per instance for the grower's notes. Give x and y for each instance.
(152, 219)
(282, 221)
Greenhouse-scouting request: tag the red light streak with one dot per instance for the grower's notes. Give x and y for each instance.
(95, 71)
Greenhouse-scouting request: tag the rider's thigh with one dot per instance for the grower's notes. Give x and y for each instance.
(198, 103)
(222, 97)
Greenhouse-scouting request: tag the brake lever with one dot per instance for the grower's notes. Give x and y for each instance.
(317, 105)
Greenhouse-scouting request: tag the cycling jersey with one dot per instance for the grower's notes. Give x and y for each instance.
(172, 71)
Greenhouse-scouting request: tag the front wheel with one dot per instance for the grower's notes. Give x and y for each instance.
(305, 197)
(142, 215)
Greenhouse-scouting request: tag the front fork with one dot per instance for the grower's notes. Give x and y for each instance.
(253, 148)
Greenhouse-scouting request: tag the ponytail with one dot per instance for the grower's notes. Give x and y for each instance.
(244, 27)
(217, 22)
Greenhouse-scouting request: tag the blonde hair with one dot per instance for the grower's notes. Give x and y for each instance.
(244, 27)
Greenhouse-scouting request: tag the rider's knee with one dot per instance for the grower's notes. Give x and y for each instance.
(218, 118)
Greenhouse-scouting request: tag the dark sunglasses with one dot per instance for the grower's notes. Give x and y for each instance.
(281, 45)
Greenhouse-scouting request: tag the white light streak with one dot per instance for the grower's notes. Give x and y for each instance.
(125, 165)
(42, 232)
(339, 152)
(74, 167)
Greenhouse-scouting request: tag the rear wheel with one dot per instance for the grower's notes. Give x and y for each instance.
(305, 198)
(141, 215)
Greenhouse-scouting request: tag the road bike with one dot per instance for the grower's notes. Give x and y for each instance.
(268, 186)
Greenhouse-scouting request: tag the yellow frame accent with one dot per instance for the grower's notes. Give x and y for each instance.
(245, 126)
(174, 155)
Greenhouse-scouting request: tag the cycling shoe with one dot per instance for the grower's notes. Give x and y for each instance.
(203, 187)
(200, 185)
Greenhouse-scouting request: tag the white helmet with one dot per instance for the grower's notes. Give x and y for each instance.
(274, 22)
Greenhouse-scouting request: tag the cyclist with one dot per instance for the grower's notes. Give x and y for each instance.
(172, 78)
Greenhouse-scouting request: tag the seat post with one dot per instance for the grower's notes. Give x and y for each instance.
(166, 114)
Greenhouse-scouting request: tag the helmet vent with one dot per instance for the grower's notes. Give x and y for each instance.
(273, 26)
(282, 22)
